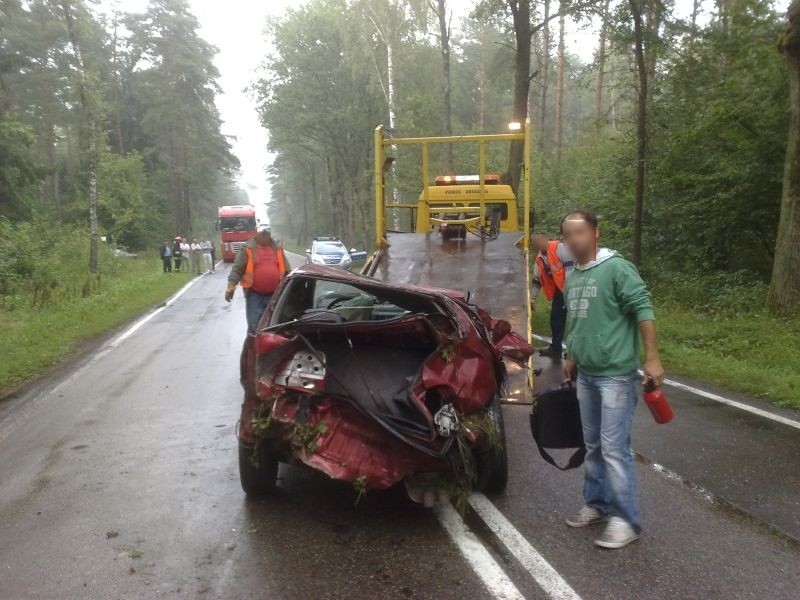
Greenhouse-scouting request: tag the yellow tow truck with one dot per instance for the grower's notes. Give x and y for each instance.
(466, 235)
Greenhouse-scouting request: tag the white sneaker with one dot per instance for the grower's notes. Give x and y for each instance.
(588, 515)
(617, 534)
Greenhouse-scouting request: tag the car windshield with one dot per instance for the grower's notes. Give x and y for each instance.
(307, 298)
(328, 248)
(237, 223)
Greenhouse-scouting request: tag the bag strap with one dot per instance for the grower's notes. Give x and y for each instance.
(575, 461)
(577, 458)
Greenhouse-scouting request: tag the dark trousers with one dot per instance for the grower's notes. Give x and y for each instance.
(178, 260)
(255, 304)
(558, 320)
(167, 264)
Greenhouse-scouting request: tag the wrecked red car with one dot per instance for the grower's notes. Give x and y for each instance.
(375, 384)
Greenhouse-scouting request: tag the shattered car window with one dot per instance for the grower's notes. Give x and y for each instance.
(333, 301)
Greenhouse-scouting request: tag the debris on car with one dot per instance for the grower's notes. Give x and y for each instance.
(375, 384)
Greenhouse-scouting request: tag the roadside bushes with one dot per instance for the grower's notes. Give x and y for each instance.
(43, 262)
(716, 293)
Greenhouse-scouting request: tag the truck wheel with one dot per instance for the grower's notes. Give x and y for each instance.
(257, 480)
(491, 463)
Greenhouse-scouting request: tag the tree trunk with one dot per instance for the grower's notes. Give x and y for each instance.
(652, 23)
(784, 290)
(88, 105)
(117, 95)
(447, 120)
(93, 237)
(695, 13)
(481, 93)
(560, 95)
(52, 178)
(545, 74)
(520, 9)
(601, 65)
(641, 131)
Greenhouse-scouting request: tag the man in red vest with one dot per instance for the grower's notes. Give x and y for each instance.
(553, 263)
(259, 268)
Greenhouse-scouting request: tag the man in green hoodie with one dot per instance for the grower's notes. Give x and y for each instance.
(608, 309)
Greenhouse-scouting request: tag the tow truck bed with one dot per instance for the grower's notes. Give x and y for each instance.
(493, 272)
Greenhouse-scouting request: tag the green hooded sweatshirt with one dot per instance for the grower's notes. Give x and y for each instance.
(606, 299)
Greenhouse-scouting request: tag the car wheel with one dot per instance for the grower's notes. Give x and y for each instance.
(491, 464)
(257, 480)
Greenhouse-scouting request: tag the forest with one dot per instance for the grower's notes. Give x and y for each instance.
(109, 134)
(675, 132)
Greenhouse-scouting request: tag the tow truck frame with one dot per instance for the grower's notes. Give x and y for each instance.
(382, 164)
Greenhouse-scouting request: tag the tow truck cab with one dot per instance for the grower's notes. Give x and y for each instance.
(453, 205)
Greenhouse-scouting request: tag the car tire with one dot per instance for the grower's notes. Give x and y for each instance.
(491, 464)
(258, 480)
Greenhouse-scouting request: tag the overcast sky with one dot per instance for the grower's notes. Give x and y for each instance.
(235, 27)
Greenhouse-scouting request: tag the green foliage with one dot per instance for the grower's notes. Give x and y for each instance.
(43, 262)
(149, 83)
(360, 487)
(718, 143)
(306, 435)
(320, 100)
(326, 90)
(18, 171)
(33, 337)
(122, 209)
(718, 119)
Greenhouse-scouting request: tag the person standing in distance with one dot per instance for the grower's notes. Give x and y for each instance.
(208, 263)
(609, 308)
(259, 268)
(197, 256)
(553, 263)
(177, 254)
(166, 256)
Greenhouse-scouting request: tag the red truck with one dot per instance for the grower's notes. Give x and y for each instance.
(236, 225)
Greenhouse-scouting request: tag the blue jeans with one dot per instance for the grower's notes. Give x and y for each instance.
(558, 318)
(607, 405)
(255, 304)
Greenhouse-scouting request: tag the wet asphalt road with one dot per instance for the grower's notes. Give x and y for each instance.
(120, 481)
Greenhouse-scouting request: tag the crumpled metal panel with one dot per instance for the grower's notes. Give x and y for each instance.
(354, 447)
(466, 370)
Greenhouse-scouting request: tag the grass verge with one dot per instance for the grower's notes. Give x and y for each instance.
(748, 351)
(31, 340)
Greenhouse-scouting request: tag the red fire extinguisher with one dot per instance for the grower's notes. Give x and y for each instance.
(657, 403)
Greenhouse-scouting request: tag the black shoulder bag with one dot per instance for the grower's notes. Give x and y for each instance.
(556, 424)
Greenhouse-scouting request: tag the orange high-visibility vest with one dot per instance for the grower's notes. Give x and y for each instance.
(555, 278)
(247, 277)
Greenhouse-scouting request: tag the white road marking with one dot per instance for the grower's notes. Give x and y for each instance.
(740, 405)
(33, 407)
(475, 553)
(545, 575)
(672, 475)
(721, 399)
(138, 324)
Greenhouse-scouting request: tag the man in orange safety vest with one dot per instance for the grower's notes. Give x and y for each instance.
(553, 264)
(259, 268)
